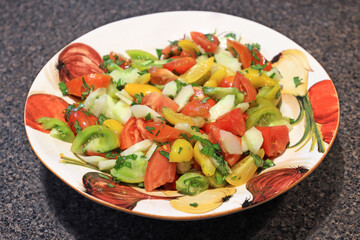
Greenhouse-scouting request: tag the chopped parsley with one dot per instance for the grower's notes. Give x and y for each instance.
(138, 97)
(257, 159)
(231, 35)
(77, 127)
(258, 67)
(110, 185)
(164, 153)
(150, 129)
(159, 53)
(268, 163)
(102, 118)
(195, 128)
(180, 149)
(87, 89)
(210, 37)
(205, 100)
(121, 161)
(148, 117)
(179, 85)
(194, 204)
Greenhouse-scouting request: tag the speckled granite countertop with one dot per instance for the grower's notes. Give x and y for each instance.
(36, 204)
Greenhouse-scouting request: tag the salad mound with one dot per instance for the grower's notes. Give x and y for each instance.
(201, 114)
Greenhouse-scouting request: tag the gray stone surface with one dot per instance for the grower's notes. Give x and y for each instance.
(36, 204)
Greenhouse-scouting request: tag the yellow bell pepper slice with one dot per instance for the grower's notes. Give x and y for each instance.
(243, 170)
(181, 151)
(115, 126)
(135, 88)
(189, 46)
(173, 117)
(207, 167)
(198, 71)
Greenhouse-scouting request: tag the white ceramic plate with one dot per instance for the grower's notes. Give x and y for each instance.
(154, 31)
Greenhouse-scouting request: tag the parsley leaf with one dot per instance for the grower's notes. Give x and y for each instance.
(102, 118)
(63, 88)
(164, 153)
(297, 81)
(148, 117)
(268, 163)
(159, 53)
(231, 35)
(205, 100)
(77, 127)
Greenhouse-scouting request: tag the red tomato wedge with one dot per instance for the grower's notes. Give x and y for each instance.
(129, 134)
(227, 82)
(84, 119)
(260, 59)
(171, 50)
(240, 51)
(157, 101)
(197, 107)
(159, 170)
(125, 63)
(188, 54)
(180, 65)
(161, 76)
(159, 132)
(276, 139)
(243, 84)
(233, 122)
(208, 42)
(76, 86)
(44, 105)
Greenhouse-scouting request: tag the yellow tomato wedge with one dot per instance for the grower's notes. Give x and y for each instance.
(198, 71)
(189, 46)
(115, 126)
(145, 78)
(173, 117)
(181, 151)
(216, 77)
(243, 170)
(207, 167)
(258, 79)
(135, 88)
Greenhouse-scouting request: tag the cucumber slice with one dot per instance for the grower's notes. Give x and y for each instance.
(253, 139)
(183, 96)
(230, 142)
(129, 75)
(141, 111)
(243, 106)
(170, 89)
(227, 60)
(142, 146)
(106, 165)
(225, 105)
(119, 111)
(274, 73)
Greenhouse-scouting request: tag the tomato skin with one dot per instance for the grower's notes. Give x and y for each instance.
(206, 44)
(130, 134)
(161, 76)
(180, 65)
(240, 51)
(233, 122)
(171, 50)
(243, 84)
(159, 132)
(159, 170)
(276, 139)
(196, 108)
(227, 82)
(187, 54)
(97, 80)
(260, 59)
(84, 119)
(157, 101)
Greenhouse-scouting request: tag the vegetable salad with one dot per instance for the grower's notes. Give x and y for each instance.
(201, 114)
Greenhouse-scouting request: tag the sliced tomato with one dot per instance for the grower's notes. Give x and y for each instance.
(233, 122)
(276, 139)
(161, 76)
(81, 118)
(214, 137)
(258, 58)
(180, 65)
(171, 50)
(124, 63)
(92, 81)
(157, 101)
(227, 82)
(197, 107)
(129, 134)
(208, 42)
(243, 84)
(187, 54)
(240, 51)
(159, 170)
(159, 132)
